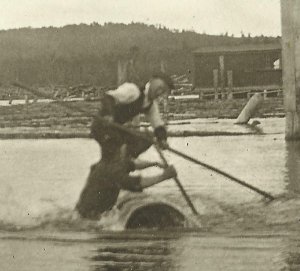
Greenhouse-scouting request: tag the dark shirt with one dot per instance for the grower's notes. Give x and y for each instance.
(123, 113)
(104, 183)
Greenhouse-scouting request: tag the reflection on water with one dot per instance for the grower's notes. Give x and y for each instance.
(164, 251)
(134, 251)
(290, 255)
(292, 157)
(230, 253)
(196, 251)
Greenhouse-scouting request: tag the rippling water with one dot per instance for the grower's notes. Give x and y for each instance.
(42, 179)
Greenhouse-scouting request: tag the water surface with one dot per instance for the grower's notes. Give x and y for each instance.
(41, 181)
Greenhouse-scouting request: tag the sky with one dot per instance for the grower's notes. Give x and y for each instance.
(210, 16)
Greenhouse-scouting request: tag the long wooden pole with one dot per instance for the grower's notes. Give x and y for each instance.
(145, 137)
(183, 192)
(263, 193)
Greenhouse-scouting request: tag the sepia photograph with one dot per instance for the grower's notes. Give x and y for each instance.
(147, 135)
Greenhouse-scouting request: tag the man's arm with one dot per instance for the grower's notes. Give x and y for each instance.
(142, 164)
(160, 132)
(153, 116)
(137, 184)
(168, 173)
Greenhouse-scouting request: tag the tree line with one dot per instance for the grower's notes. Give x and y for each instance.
(88, 54)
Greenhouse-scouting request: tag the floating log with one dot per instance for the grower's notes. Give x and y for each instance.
(140, 210)
(250, 109)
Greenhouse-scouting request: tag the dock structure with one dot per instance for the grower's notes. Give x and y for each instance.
(290, 20)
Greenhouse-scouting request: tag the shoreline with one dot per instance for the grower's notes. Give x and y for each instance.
(37, 133)
(186, 118)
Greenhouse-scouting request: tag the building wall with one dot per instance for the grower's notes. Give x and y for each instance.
(248, 69)
(204, 66)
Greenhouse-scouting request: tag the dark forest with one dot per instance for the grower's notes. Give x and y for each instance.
(88, 54)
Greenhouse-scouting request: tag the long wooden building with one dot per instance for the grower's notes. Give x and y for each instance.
(228, 68)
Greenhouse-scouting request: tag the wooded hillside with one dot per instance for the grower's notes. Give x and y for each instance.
(82, 53)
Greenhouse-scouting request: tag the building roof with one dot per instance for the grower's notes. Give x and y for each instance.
(239, 48)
